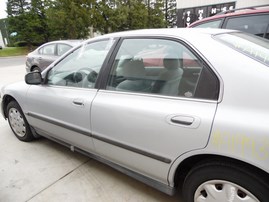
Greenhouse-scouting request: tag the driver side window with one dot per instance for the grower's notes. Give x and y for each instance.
(81, 67)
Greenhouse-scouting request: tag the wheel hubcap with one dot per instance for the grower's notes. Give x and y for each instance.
(219, 190)
(17, 122)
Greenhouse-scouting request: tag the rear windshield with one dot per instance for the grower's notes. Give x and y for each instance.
(250, 45)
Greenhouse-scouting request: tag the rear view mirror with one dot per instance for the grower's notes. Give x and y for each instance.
(33, 78)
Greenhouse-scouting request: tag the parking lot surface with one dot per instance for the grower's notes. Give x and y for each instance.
(46, 171)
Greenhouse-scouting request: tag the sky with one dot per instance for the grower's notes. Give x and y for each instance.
(3, 6)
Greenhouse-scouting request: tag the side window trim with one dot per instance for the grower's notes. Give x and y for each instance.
(105, 79)
(107, 65)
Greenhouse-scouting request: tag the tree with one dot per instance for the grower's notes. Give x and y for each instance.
(38, 10)
(69, 19)
(128, 15)
(17, 7)
(118, 15)
(155, 14)
(38, 21)
(27, 21)
(119, 18)
(102, 15)
(170, 12)
(137, 15)
(17, 11)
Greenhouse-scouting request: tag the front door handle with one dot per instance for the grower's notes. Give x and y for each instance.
(182, 120)
(78, 102)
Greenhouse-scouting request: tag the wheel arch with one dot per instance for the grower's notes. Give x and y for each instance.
(33, 67)
(6, 100)
(187, 164)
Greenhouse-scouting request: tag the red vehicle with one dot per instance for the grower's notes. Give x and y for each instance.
(254, 20)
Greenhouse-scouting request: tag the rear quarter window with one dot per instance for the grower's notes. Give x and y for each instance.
(250, 45)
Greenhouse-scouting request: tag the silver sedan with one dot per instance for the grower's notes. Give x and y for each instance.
(172, 108)
(43, 56)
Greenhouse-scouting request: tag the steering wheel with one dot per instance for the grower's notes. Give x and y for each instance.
(87, 76)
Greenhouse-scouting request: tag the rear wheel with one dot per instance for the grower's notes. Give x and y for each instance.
(18, 122)
(223, 182)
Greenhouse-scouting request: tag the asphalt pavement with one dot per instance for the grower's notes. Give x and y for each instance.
(46, 171)
(12, 61)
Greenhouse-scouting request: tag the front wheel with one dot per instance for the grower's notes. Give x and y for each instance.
(37, 69)
(18, 122)
(224, 182)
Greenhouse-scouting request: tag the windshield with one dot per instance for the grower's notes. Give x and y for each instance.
(250, 45)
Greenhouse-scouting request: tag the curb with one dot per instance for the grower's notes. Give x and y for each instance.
(9, 57)
(14, 66)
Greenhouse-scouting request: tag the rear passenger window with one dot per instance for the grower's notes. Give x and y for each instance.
(163, 67)
(258, 24)
(62, 48)
(47, 50)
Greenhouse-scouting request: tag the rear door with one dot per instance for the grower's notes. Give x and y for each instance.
(47, 54)
(159, 102)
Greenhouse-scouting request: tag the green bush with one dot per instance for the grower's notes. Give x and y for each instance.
(20, 44)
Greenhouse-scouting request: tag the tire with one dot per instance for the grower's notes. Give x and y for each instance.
(18, 122)
(224, 182)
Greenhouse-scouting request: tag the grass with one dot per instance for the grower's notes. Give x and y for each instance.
(13, 51)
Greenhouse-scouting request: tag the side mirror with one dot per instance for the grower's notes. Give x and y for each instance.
(33, 78)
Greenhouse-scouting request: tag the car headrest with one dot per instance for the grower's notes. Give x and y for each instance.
(171, 61)
(133, 69)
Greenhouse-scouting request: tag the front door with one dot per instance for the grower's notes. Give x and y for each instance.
(61, 107)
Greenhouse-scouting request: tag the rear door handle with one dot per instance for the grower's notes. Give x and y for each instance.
(183, 120)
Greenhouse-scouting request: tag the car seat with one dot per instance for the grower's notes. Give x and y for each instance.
(134, 74)
(168, 81)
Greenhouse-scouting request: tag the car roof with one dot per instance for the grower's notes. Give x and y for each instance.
(72, 42)
(235, 12)
(173, 32)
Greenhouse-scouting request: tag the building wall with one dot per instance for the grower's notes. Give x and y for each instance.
(247, 3)
(196, 3)
(189, 11)
(239, 3)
